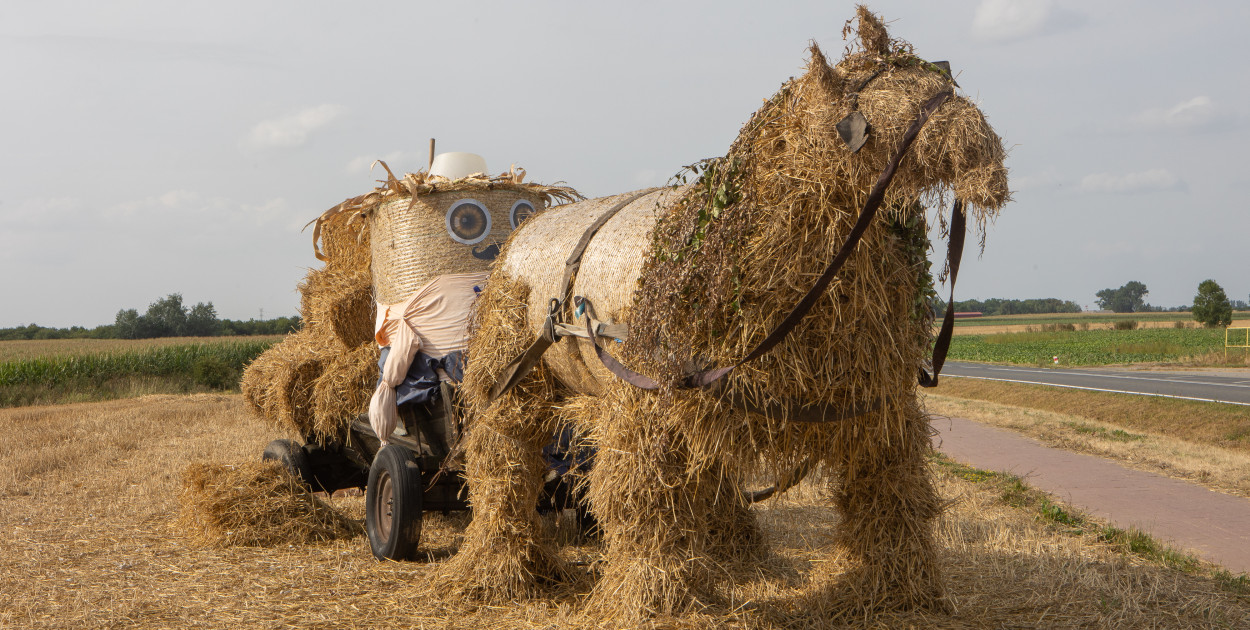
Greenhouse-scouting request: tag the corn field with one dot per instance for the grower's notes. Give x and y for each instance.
(214, 365)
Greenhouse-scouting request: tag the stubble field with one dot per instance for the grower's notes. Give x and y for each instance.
(89, 492)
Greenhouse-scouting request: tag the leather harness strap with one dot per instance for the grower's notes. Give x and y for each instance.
(790, 410)
(553, 326)
(875, 197)
(954, 252)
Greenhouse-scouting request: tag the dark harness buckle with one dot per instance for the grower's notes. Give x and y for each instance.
(553, 317)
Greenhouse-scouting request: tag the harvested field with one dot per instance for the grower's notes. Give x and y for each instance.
(89, 498)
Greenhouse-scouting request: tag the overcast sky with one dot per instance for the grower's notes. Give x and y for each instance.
(155, 147)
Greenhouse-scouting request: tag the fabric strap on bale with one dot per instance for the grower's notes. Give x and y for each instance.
(553, 327)
(818, 412)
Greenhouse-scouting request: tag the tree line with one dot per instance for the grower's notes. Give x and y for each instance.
(166, 317)
(1211, 306)
(996, 306)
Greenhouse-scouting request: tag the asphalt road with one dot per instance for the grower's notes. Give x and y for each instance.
(1208, 386)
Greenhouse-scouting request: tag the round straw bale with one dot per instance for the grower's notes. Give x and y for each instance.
(343, 390)
(340, 304)
(346, 243)
(255, 504)
(279, 383)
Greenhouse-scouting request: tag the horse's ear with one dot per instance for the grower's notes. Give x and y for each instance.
(872, 34)
(826, 76)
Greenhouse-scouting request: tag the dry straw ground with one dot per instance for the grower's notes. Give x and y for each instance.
(89, 497)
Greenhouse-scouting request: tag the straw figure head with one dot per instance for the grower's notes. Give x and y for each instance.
(378, 248)
(428, 224)
(702, 273)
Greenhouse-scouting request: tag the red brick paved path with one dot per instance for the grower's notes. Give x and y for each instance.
(1213, 525)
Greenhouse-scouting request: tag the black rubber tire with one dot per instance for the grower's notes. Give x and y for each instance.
(294, 457)
(393, 503)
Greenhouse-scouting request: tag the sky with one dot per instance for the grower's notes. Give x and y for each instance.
(150, 148)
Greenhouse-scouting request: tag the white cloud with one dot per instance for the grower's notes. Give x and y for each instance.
(44, 212)
(649, 177)
(1198, 112)
(185, 209)
(400, 162)
(1004, 20)
(1146, 181)
(292, 130)
(1048, 179)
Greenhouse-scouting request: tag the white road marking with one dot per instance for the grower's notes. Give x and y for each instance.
(1239, 384)
(1098, 389)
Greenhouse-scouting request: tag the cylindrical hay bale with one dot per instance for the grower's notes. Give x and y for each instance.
(340, 305)
(279, 383)
(346, 243)
(441, 233)
(351, 312)
(607, 277)
(342, 393)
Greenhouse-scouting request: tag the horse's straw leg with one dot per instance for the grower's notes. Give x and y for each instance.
(504, 554)
(888, 503)
(733, 535)
(651, 516)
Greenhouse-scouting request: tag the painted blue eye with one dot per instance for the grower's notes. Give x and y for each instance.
(521, 210)
(468, 221)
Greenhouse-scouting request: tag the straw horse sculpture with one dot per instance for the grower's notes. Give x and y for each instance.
(701, 274)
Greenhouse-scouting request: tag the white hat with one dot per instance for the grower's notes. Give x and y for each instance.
(457, 165)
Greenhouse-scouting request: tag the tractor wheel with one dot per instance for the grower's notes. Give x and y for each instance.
(293, 457)
(393, 501)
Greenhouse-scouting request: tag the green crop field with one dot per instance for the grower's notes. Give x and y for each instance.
(1093, 319)
(127, 370)
(1090, 347)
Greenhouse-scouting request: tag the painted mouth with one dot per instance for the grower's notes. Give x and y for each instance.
(487, 253)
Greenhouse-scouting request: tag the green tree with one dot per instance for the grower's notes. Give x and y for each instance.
(166, 317)
(127, 324)
(1129, 298)
(1211, 305)
(202, 321)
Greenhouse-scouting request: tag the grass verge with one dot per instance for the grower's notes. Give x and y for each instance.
(1213, 424)
(1014, 492)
